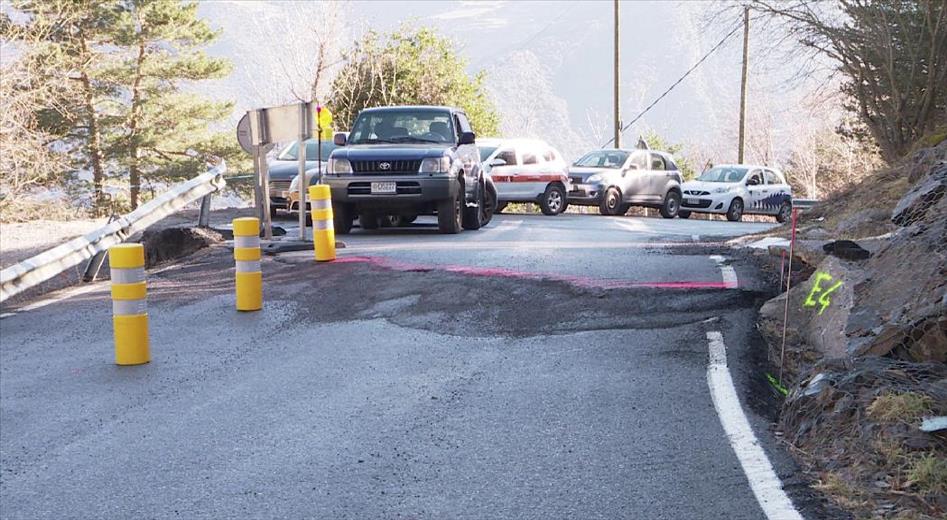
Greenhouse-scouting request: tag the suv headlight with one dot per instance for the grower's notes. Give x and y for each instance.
(594, 178)
(435, 165)
(339, 166)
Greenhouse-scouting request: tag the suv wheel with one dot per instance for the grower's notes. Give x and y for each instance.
(611, 202)
(553, 200)
(472, 217)
(489, 206)
(449, 215)
(735, 212)
(672, 204)
(785, 211)
(341, 218)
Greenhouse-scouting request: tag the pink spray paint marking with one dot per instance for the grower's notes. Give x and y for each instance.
(502, 272)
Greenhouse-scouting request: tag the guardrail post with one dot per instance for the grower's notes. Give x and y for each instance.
(323, 230)
(203, 220)
(129, 304)
(246, 253)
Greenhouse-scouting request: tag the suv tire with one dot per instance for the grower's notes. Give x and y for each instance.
(449, 215)
(472, 218)
(672, 204)
(611, 202)
(341, 218)
(735, 211)
(553, 200)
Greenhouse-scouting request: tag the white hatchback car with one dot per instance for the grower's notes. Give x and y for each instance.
(526, 170)
(736, 190)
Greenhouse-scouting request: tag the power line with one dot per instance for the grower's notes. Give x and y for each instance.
(676, 83)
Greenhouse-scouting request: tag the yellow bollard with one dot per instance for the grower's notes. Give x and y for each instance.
(323, 231)
(129, 304)
(246, 252)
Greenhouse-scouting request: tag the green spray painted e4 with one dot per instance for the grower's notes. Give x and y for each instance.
(823, 300)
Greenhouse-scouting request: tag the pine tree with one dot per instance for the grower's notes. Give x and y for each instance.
(166, 130)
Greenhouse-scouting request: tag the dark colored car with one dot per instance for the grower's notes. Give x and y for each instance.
(285, 167)
(401, 162)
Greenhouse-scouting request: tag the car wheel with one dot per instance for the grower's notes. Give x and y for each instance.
(684, 214)
(610, 202)
(489, 206)
(500, 207)
(449, 215)
(341, 218)
(785, 211)
(472, 216)
(368, 220)
(273, 212)
(672, 204)
(553, 200)
(735, 211)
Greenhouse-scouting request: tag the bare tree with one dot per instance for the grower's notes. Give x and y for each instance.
(892, 54)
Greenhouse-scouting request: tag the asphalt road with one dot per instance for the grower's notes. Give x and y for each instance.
(539, 368)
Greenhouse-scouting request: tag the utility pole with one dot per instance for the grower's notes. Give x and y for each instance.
(617, 76)
(746, 58)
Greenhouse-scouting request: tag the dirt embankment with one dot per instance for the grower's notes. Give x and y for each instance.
(866, 342)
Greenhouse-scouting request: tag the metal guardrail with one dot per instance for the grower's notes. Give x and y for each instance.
(37, 269)
(804, 204)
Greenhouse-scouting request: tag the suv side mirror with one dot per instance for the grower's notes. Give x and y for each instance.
(467, 138)
(497, 162)
(339, 139)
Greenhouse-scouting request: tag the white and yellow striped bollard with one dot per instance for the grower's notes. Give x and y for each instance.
(323, 230)
(129, 304)
(246, 253)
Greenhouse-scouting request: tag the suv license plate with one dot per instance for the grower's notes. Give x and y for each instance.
(384, 187)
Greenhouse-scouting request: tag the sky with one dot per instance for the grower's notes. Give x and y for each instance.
(548, 63)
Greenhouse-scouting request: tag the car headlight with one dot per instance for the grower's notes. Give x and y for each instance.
(435, 165)
(339, 166)
(721, 190)
(594, 178)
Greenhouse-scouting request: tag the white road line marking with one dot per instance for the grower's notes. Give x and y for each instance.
(763, 480)
(728, 273)
(695, 238)
(646, 230)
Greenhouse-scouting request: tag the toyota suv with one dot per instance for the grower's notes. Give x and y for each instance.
(404, 162)
(615, 180)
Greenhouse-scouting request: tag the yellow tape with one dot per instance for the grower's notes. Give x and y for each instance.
(129, 291)
(320, 192)
(125, 256)
(246, 226)
(246, 253)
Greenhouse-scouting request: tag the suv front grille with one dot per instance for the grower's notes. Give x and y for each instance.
(393, 167)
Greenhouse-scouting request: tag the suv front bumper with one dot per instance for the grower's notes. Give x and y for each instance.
(411, 189)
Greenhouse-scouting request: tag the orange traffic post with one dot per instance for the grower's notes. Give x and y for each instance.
(246, 253)
(129, 304)
(323, 230)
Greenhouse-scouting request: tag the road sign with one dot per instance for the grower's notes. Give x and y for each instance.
(324, 118)
(243, 133)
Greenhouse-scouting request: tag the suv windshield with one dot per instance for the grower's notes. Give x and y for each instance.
(723, 174)
(603, 159)
(291, 152)
(403, 126)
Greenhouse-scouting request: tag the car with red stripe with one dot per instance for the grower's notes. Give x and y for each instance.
(526, 170)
